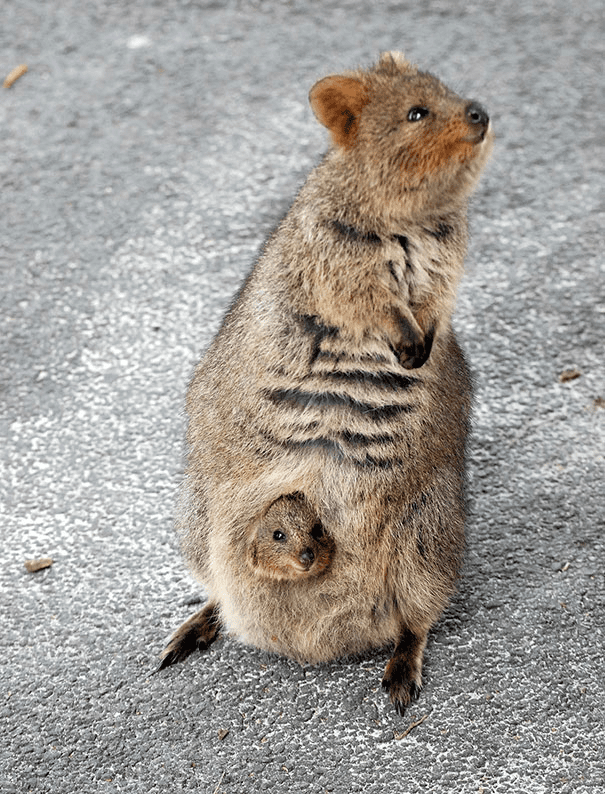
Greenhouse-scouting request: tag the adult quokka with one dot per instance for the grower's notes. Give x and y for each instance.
(336, 374)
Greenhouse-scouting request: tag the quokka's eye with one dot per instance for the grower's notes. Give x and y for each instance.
(417, 113)
(279, 536)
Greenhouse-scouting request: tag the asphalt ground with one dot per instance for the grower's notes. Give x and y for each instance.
(144, 156)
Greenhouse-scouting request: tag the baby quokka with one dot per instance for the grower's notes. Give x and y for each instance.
(288, 541)
(335, 398)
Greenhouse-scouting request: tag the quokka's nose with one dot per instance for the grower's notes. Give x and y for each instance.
(307, 556)
(476, 114)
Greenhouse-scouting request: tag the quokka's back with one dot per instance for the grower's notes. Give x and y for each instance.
(336, 374)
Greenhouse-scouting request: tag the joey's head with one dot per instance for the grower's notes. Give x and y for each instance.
(289, 542)
(402, 136)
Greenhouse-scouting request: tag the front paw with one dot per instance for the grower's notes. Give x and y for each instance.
(417, 352)
(414, 346)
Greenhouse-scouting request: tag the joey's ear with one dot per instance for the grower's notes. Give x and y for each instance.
(337, 103)
(252, 555)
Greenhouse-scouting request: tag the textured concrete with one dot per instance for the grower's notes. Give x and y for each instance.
(144, 156)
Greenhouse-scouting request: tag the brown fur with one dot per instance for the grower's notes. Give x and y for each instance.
(336, 374)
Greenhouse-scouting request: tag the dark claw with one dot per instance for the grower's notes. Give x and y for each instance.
(415, 691)
(400, 707)
(169, 658)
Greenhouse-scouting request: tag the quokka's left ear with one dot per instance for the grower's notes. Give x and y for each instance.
(337, 102)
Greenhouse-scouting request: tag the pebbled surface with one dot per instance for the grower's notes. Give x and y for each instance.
(145, 155)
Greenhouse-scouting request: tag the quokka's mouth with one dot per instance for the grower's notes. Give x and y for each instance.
(477, 137)
(300, 567)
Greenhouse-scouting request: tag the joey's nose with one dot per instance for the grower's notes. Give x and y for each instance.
(476, 114)
(307, 556)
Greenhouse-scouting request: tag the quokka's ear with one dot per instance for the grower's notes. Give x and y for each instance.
(337, 103)
(395, 62)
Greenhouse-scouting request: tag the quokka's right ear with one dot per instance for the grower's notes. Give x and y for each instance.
(394, 63)
(337, 103)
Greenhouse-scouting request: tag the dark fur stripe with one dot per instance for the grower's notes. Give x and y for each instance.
(442, 232)
(334, 449)
(404, 243)
(420, 544)
(312, 325)
(356, 235)
(343, 355)
(372, 462)
(381, 380)
(319, 332)
(296, 397)
(361, 440)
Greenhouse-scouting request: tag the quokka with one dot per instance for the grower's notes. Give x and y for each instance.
(288, 541)
(336, 375)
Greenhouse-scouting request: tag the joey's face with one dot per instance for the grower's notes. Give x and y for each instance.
(285, 550)
(298, 552)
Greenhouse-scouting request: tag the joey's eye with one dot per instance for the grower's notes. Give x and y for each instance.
(279, 536)
(417, 113)
(318, 531)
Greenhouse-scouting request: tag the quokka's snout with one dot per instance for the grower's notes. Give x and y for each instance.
(477, 115)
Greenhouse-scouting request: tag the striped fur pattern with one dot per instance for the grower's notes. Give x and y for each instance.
(336, 375)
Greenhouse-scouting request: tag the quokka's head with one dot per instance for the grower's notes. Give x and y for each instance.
(288, 541)
(404, 129)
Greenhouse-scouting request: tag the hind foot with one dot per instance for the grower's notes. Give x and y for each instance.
(403, 674)
(196, 633)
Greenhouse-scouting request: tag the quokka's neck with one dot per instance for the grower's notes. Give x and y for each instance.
(336, 191)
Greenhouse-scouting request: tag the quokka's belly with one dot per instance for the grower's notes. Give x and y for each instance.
(311, 624)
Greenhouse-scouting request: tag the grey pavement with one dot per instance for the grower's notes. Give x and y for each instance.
(144, 157)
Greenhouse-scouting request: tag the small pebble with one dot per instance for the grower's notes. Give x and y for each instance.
(38, 565)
